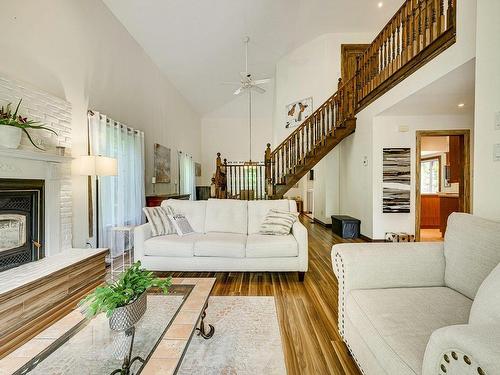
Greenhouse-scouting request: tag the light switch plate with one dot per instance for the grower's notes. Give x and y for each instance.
(496, 152)
(497, 121)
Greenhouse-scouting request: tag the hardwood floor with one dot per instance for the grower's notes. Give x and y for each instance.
(307, 311)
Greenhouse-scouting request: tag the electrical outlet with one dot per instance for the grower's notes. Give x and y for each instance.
(496, 152)
(497, 121)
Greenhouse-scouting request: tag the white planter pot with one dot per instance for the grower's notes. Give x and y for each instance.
(10, 136)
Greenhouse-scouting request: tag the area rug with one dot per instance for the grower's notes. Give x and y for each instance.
(246, 340)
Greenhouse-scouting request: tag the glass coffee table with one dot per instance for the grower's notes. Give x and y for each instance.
(156, 345)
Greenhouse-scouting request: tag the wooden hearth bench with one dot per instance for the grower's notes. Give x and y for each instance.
(37, 294)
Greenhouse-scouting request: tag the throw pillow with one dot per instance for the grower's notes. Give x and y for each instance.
(181, 224)
(159, 220)
(278, 223)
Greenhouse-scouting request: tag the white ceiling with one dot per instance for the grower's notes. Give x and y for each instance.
(442, 96)
(198, 43)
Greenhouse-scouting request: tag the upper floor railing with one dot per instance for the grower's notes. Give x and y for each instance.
(418, 31)
(240, 180)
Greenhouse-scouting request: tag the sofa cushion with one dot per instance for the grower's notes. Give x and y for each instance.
(193, 210)
(486, 306)
(226, 215)
(396, 323)
(228, 245)
(171, 245)
(472, 250)
(265, 246)
(257, 211)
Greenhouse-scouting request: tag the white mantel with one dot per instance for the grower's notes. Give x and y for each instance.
(55, 171)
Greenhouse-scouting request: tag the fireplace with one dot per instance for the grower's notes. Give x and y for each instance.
(21, 222)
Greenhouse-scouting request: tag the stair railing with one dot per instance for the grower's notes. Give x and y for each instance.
(309, 135)
(240, 180)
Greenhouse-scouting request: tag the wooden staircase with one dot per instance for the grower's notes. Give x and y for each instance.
(311, 141)
(418, 32)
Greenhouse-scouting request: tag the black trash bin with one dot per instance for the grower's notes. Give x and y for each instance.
(345, 226)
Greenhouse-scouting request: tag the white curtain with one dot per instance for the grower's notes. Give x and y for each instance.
(187, 178)
(121, 197)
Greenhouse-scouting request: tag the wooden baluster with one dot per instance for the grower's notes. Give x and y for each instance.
(434, 19)
(421, 25)
(267, 165)
(450, 14)
(399, 32)
(404, 20)
(283, 161)
(441, 20)
(428, 22)
(386, 54)
(415, 27)
(302, 151)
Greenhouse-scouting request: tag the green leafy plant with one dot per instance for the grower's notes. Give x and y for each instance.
(9, 118)
(131, 284)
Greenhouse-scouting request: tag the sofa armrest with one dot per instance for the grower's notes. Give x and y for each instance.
(141, 234)
(386, 265)
(299, 231)
(463, 349)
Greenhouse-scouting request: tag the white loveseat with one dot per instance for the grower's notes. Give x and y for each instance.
(227, 239)
(423, 308)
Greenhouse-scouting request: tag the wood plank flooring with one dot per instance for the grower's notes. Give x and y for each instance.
(307, 311)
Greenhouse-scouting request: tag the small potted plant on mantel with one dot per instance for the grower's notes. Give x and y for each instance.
(13, 125)
(124, 301)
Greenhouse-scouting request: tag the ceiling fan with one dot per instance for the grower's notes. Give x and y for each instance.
(247, 83)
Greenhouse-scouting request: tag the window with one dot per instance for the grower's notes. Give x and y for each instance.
(430, 179)
(187, 175)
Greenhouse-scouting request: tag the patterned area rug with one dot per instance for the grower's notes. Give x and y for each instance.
(246, 340)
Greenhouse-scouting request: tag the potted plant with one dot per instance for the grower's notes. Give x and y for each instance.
(12, 125)
(124, 301)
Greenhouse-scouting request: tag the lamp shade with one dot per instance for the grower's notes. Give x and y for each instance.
(91, 165)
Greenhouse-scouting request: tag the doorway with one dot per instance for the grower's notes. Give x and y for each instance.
(442, 180)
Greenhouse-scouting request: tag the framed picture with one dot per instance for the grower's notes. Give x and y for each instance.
(396, 180)
(197, 169)
(298, 111)
(162, 163)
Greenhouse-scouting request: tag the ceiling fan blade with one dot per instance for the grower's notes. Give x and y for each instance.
(238, 91)
(260, 90)
(261, 81)
(231, 83)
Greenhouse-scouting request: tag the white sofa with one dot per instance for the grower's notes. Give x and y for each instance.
(423, 308)
(227, 239)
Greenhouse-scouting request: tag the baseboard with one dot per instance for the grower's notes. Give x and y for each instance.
(368, 239)
(326, 225)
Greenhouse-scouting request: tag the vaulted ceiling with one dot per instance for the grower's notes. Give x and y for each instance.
(198, 43)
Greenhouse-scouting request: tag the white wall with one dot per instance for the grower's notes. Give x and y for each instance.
(358, 182)
(313, 69)
(226, 130)
(78, 51)
(386, 134)
(487, 171)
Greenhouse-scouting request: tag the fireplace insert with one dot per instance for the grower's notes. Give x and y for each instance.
(21, 222)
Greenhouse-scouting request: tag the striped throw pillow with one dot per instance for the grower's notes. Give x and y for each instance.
(278, 223)
(159, 221)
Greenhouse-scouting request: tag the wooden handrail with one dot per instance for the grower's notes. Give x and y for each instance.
(315, 113)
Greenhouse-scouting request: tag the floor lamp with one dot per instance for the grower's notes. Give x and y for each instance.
(95, 166)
